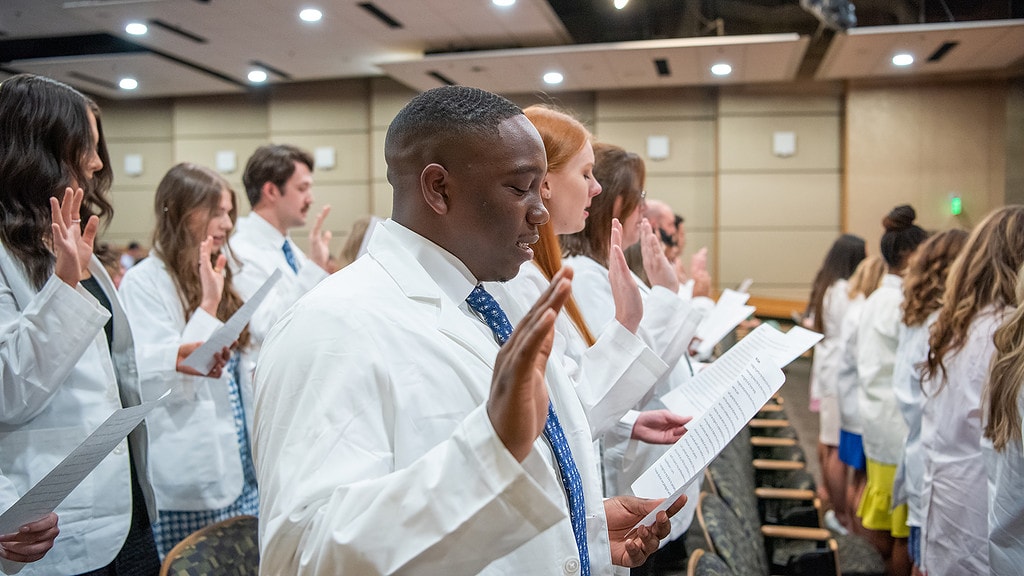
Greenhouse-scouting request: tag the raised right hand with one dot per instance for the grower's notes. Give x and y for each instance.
(518, 404)
(659, 270)
(211, 277)
(629, 304)
(71, 245)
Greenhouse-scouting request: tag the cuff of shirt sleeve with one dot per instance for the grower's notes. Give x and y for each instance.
(525, 486)
(633, 346)
(200, 326)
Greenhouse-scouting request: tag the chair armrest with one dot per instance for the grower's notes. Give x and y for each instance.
(796, 532)
(763, 464)
(784, 494)
(771, 442)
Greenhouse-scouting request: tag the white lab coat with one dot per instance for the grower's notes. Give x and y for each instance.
(884, 429)
(194, 444)
(667, 326)
(911, 351)
(60, 382)
(827, 356)
(611, 376)
(1005, 505)
(954, 496)
(847, 385)
(373, 448)
(256, 247)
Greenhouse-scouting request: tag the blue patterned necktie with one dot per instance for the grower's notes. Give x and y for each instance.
(289, 255)
(485, 305)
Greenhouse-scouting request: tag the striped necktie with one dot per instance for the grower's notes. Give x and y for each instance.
(484, 304)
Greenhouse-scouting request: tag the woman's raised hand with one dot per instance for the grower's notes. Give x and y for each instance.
(71, 244)
(629, 305)
(211, 276)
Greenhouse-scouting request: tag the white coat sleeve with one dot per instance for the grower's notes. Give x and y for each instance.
(332, 500)
(154, 313)
(40, 345)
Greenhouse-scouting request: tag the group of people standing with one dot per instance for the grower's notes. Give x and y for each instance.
(918, 381)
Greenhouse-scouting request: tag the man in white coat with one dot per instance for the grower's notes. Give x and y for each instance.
(392, 435)
(278, 181)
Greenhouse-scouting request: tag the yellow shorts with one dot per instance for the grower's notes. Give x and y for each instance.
(875, 510)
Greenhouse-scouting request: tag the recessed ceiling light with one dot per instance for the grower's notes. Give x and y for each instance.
(620, 4)
(136, 28)
(721, 69)
(257, 76)
(311, 15)
(553, 78)
(503, 3)
(128, 83)
(903, 59)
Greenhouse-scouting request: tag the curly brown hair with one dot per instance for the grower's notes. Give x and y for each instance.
(1006, 376)
(925, 279)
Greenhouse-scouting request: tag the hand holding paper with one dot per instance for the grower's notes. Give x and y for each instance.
(204, 358)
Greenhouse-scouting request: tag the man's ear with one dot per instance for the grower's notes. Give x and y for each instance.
(434, 187)
(270, 192)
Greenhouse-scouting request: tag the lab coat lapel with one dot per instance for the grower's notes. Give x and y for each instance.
(421, 289)
(15, 278)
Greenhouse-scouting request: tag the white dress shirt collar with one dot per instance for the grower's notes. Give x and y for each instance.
(452, 276)
(262, 228)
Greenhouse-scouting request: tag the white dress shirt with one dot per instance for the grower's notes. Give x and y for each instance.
(1005, 504)
(827, 356)
(373, 447)
(194, 444)
(911, 351)
(59, 383)
(257, 249)
(954, 496)
(884, 430)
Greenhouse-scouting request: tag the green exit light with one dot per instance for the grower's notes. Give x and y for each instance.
(955, 206)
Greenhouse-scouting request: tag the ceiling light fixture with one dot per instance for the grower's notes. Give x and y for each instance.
(903, 59)
(257, 76)
(128, 83)
(721, 69)
(136, 28)
(620, 4)
(503, 3)
(311, 15)
(553, 78)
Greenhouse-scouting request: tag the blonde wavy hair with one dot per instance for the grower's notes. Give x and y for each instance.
(985, 273)
(867, 277)
(925, 279)
(1005, 377)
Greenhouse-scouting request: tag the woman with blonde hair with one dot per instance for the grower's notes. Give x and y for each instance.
(979, 294)
(201, 460)
(923, 288)
(862, 283)
(1003, 445)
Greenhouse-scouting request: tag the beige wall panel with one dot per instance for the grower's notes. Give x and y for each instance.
(695, 240)
(691, 142)
(741, 103)
(656, 103)
(798, 293)
(783, 200)
(379, 169)
(133, 215)
(319, 107)
(204, 151)
(137, 119)
(382, 198)
(157, 158)
(579, 104)
(693, 197)
(917, 145)
(781, 258)
(745, 143)
(387, 97)
(351, 154)
(221, 116)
